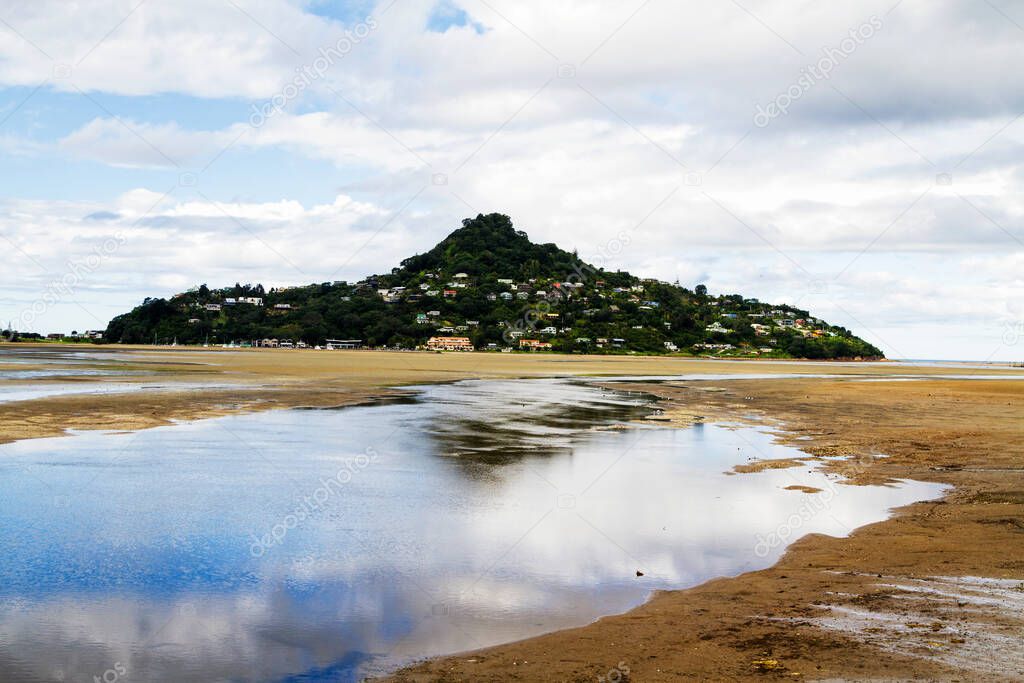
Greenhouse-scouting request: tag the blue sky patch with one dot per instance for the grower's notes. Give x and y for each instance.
(447, 14)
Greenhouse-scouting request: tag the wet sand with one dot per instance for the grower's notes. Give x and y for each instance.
(937, 592)
(278, 378)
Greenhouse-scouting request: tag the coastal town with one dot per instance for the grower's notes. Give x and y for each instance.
(487, 287)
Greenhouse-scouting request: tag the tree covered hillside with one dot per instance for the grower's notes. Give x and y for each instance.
(487, 281)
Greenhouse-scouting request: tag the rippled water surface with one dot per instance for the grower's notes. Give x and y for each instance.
(323, 545)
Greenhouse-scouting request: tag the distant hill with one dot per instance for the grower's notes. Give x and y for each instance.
(487, 281)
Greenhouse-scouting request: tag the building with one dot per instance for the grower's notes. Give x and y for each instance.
(212, 307)
(283, 307)
(450, 293)
(254, 300)
(343, 344)
(449, 344)
(534, 345)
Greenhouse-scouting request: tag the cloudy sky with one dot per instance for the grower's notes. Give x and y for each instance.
(860, 159)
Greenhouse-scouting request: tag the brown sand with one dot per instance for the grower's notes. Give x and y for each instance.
(869, 607)
(936, 593)
(275, 378)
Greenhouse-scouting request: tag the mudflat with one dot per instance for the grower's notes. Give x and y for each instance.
(936, 592)
(196, 383)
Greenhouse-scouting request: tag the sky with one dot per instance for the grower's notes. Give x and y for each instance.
(862, 160)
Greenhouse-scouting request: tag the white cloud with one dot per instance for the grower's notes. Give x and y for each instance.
(580, 120)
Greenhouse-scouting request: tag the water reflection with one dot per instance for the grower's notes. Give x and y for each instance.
(326, 544)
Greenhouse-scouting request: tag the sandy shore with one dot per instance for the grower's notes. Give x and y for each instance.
(266, 379)
(936, 593)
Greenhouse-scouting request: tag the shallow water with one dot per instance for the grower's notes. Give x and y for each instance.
(30, 391)
(326, 544)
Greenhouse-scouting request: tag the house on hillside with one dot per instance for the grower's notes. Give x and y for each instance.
(534, 345)
(449, 344)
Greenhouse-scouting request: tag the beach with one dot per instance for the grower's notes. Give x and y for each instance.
(935, 592)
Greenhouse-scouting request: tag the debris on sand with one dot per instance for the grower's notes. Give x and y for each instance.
(766, 664)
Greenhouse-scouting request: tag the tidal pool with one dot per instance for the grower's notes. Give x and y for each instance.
(326, 545)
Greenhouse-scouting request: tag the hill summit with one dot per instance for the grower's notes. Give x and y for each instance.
(492, 288)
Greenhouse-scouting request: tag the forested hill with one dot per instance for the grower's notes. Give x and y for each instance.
(487, 281)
